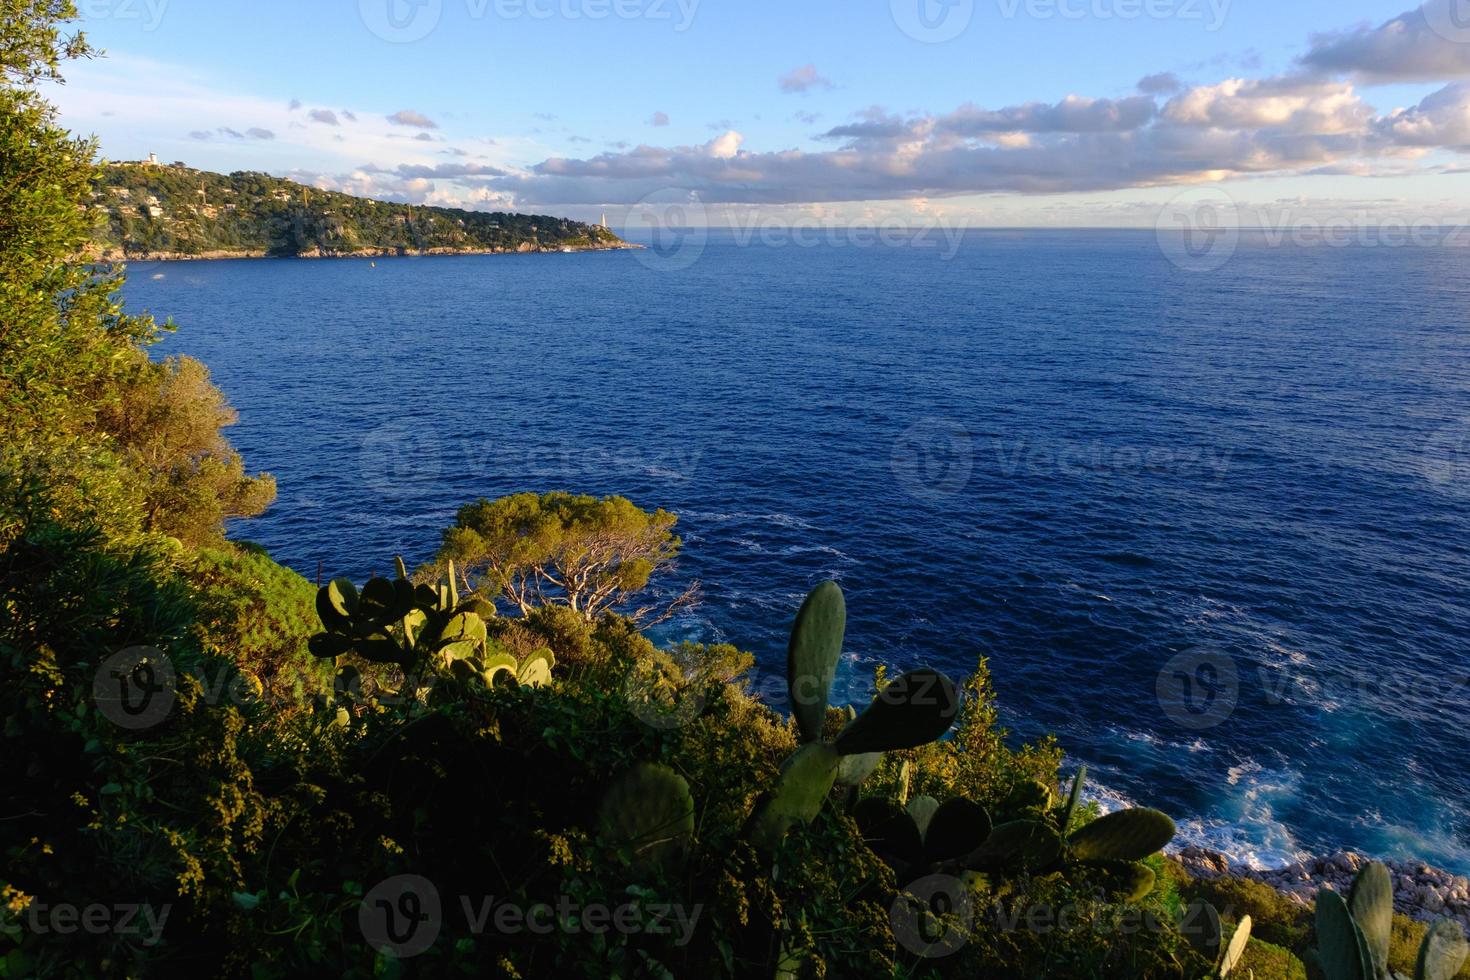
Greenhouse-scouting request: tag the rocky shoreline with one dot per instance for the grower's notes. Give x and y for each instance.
(1419, 891)
(525, 248)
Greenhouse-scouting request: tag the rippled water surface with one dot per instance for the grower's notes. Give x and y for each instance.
(1249, 489)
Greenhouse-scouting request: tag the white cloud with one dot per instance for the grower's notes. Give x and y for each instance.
(1297, 104)
(1428, 43)
(1441, 119)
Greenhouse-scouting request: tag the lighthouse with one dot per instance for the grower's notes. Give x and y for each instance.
(604, 221)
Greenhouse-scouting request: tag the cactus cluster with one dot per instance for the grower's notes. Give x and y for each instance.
(1353, 934)
(959, 837)
(393, 621)
(913, 710)
(499, 667)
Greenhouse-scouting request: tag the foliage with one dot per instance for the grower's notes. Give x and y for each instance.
(145, 210)
(1354, 935)
(263, 808)
(589, 554)
(1277, 919)
(259, 615)
(1267, 961)
(166, 420)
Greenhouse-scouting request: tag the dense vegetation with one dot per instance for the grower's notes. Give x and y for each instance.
(482, 766)
(146, 209)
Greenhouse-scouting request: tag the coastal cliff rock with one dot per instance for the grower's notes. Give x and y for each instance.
(1421, 892)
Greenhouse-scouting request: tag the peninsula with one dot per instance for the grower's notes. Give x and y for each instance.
(154, 211)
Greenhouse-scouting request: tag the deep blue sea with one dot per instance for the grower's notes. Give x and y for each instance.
(1211, 528)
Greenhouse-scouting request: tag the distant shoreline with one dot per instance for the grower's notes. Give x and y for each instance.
(118, 256)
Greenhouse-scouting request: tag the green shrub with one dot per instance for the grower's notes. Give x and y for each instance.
(1266, 961)
(1274, 917)
(259, 615)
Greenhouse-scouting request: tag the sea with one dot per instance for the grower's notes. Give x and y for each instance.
(1207, 520)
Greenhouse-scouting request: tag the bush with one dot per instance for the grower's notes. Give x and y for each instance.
(1274, 917)
(259, 615)
(1266, 961)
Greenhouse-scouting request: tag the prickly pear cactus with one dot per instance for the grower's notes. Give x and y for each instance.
(1370, 902)
(915, 709)
(806, 780)
(1443, 952)
(1342, 950)
(649, 813)
(1020, 845)
(1127, 835)
(812, 655)
(1238, 941)
(957, 828)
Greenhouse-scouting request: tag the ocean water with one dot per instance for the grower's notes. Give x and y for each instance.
(1210, 528)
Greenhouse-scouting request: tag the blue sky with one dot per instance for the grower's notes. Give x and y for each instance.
(1006, 111)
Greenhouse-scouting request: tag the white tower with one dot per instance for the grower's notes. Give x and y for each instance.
(604, 221)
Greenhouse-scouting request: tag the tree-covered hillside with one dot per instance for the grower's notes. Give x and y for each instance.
(153, 210)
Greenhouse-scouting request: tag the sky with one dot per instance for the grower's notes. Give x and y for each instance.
(1089, 113)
